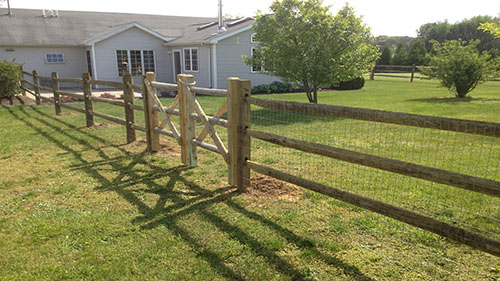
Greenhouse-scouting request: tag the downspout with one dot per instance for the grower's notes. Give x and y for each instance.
(94, 64)
(214, 65)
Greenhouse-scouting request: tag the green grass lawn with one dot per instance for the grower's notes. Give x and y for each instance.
(79, 203)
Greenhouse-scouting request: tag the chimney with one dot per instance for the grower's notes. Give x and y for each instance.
(221, 19)
(9, 12)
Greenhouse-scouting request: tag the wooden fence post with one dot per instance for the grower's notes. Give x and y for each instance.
(87, 95)
(239, 141)
(412, 73)
(36, 87)
(189, 152)
(55, 87)
(128, 98)
(23, 92)
(150, 115)
(372, 73)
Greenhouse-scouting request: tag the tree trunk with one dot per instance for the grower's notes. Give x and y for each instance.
(315, 98)
(308, 91)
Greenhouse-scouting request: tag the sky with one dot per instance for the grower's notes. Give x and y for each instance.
(385, 17)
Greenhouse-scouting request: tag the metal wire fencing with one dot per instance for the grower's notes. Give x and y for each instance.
(442, 146)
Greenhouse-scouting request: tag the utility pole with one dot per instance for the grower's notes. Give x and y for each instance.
(8, 8)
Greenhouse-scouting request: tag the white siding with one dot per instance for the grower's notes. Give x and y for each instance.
(202, 76)
(132, 39)
(230, 63)
(34, 59)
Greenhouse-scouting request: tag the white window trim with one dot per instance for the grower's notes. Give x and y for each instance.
(262, 69)
(191, 59)
(47, 61)
(251, 38)
(129, 63)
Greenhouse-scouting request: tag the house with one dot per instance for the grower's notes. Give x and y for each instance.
(73, 42)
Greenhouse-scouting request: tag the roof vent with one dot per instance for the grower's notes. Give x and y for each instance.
(206, 25)
(236, 22)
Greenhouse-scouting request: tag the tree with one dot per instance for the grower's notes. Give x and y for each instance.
(437, 31)
(491, 27)
(400, 55)
(385, 58)
(416, 54)
(459, 66)
(302, 42)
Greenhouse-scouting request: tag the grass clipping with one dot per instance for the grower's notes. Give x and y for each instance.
(268, 188)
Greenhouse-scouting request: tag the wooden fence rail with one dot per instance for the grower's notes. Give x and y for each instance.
(237, 151)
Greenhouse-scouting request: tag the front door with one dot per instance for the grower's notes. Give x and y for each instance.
(177, 64)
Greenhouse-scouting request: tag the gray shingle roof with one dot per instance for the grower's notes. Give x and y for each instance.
(29, 27)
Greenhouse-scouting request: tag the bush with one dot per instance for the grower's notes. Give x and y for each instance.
(10, 79)
(354, 84)
(459, 66)
(275, 87)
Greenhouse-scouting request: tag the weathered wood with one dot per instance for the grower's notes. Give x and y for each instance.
(165, 133)
(109, 101)
(372, 73)
(27, 73)
(28, 90)
(238, 138)
(136, 107)
(216, 121)
(138, 87)
(73, 108)
(211, 130)
(218, 114)
(481, 185)
(206, 146)
(51, 100)
(45, 78)
(56, 88)
(424, 222)
(28, 82)
(75, 95)
(70, 80)
(110, 118)
(209, 92)
(128, 98)
(189, 152)
(46, 88)
(164, 86)
(414, 120)
(87, 96)
(166, 118)
(138, 127)
(36, 87)
(150, 116)
(21, 78)
(107, 83)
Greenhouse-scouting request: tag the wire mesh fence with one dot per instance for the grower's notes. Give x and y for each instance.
(476, 154)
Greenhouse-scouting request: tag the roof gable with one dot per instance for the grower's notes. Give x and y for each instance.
(120, 29)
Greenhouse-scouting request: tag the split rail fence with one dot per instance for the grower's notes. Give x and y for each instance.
(240, 106)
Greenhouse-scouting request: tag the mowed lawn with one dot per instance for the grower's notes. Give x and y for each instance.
(79, 203)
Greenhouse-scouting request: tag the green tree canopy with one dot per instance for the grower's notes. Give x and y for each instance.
(301, 41)
(386, 56)
(459, 66)
(417, 52)
(400, 55)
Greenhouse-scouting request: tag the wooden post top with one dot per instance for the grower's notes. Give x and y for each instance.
(86, 76)
(54, 75)
(151, 76)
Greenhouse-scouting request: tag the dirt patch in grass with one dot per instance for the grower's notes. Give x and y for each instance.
(267, 188)
(165, 146)
(103, 126)
(18, 100)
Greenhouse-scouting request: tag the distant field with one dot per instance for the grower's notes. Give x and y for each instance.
(78, 203)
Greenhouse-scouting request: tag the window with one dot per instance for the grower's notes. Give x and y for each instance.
(252, 38)
(139, 61)
(54, 58)
(257, 66)
(191, 59)
(121, 57)
(135, 62)
(149, 61)
(89, 62)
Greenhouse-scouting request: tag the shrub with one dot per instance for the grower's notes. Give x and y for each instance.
(10, 78)
(354, 84)
(459, 66)
(275, 87)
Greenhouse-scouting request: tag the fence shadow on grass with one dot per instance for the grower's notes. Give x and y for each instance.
(151, 217)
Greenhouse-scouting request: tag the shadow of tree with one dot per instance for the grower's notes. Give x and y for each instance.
(129, 179)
